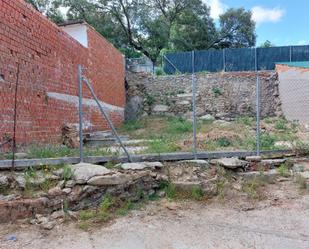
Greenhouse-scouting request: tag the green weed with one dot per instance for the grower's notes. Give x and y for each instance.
(67, 173)
(301, 182)
(245, 120)
(253, 188)
(216, 91)
(197, 193)
(281, 124)
(179, 126)
(283, 170)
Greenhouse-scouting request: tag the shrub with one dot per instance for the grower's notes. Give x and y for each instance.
(179, 126)
(216, 91)
(281, 124)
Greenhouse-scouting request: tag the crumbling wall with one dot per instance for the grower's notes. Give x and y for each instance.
(47, 89)
(222, 95)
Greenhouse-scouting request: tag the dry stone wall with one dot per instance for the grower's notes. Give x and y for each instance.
(222, 95)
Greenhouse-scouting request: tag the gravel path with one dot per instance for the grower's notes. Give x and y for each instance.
(189, 226)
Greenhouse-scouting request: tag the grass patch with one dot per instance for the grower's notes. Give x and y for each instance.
(131, 125)
(161, 146)
(50, 151)
(245, 120)
(283, 170)
(253, 188)
(67, 173)
(179, 126)
(301, 182)
(195, 193)
(281, 124)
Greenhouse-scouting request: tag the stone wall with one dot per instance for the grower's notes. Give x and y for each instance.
(222, 95)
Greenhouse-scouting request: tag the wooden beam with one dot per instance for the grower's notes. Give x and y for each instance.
(176, 156)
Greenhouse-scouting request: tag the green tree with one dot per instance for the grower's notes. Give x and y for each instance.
(50, 8)
(267, 44)
(194, 29)
(237, 29)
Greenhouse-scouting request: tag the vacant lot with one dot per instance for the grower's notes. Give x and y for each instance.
(160, 134)
(278, 221)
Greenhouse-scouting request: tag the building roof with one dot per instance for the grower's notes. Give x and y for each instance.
(71, 22)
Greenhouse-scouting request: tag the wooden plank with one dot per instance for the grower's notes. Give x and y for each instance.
(176, 156)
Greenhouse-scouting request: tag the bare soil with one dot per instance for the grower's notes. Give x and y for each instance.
(280, 220)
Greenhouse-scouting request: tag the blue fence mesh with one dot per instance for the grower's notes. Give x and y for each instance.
(242, 59)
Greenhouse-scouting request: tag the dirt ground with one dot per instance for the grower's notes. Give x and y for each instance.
(279, 221)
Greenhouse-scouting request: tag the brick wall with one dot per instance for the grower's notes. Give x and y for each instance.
(47, 89)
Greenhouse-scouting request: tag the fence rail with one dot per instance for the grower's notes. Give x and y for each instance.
(240, 59)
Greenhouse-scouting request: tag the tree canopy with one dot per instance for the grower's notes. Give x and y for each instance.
(149, 27)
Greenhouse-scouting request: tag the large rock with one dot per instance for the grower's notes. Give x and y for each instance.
(134, 108)
(230, 163)
(141, 165)
(106, 180)
(207, 117)
(160, 108)
(4, 181)
(82, 172)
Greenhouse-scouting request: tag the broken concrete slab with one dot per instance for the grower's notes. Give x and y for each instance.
(273, 162)
(140, 165)
(82, 172)
(106, 180)
(196, 162)
(230, 163)
(253, 158)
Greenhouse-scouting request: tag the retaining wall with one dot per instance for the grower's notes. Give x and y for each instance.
(223, 95)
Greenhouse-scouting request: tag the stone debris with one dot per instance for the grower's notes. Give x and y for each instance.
(229, 163)
(273, 162)
(207, 117)
(55, 191)
(106, 180)
(160, 108)
(140, 165)
(4, 181)
(70, 136)
(253, 158)
(82, 172)
(21, 155)
(196, 162)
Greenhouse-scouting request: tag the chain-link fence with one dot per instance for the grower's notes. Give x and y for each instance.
(239, 110)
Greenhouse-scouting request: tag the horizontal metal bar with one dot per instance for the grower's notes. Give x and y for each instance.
(176, 156)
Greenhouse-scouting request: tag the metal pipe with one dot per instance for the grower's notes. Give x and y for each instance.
(107, 118)
(194, 105)
(258, 133)
(290, 53)
(80, 113)
(224, 60)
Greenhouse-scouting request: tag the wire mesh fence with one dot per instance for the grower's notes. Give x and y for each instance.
(240, 59)
(221, 111)
(240, 110)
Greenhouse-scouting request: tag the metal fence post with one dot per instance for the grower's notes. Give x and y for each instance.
(224, 60)
(258, 133)
(194, 104)
(80, 113)
(105, 115)
(290, 53)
